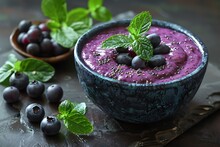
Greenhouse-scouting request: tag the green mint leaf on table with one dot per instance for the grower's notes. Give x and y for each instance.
(73, 116)
(64, 24)
(136, 39)
(35, 69)
(117, 41)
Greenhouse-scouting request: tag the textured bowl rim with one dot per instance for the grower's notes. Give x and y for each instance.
(89, 34)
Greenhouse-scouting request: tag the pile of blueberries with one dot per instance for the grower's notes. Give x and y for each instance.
(36, 40)
(35, 113)
(128, 57)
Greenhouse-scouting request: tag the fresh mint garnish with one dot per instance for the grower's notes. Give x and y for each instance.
(73, 117)
(35, 69)
(67, 26)
(136, 39)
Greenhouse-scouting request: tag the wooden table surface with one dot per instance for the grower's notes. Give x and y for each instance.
(202, 17)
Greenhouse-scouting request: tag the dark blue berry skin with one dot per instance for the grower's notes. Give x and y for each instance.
(121, 50)
(161, 49)
(20, 37)
(154, 39)
(35, 112)
(156, 61)
(35, 89)
(33, 49)
(124, 58)
(11, 94)
(46, 47)
(138, 63)
(50, 125)
(35, 35)
(24, 25)
(58, 49)
(19, 80)
(54, 93)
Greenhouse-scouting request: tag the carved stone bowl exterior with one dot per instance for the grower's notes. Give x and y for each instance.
(138, 103)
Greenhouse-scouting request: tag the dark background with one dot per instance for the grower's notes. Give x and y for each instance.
(202, 17)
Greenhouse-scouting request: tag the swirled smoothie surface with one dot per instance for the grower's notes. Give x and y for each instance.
(183, 58)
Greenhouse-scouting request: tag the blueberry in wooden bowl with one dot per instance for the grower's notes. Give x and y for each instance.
(32, 39)
(144, 93)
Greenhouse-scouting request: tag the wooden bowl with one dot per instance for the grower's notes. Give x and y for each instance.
(21, 50)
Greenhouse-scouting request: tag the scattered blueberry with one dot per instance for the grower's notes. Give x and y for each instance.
(24, 25)
(50, 125)
(161, 49)
(156, 61)
(33, 49)
(54, 93)
(19, 80)
(35, 112)
(11, 94)
(137, 63)
(124, 58)
(35, 89)
(154, 39)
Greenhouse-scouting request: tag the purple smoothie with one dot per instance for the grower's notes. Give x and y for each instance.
(183, 58)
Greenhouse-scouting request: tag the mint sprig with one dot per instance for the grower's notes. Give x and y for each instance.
(73, 117)
(67, 26)
(136, 39)
(35, 69)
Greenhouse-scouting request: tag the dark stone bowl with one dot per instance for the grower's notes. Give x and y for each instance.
(138, 103)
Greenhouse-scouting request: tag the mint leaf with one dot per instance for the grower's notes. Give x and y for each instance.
(94, 4)
(80, 27)
(53, 25)
(140, 23)
(7, 69)
(65, 36)
(117, 41)
(81, 108)
(73, 117)
(55, 9)
(78, 123)
(101, 14)
(81, 13)
(143, 48)
(35, 69)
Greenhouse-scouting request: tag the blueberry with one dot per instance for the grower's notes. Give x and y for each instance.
(20, 37)
(43, 27)
(24, 25)
(46, 34)
(35, 89)
(154, 39)
(54, 93)
(58, 49)
(161, 49)
(25, 39)
(46, 47)
(121, 50)
(35, 112)
(50, 125)
(11, 94)
(137, 63)
(124, 58)
(19, 80)
(156, 61)
(34, 35)
(33, 49)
